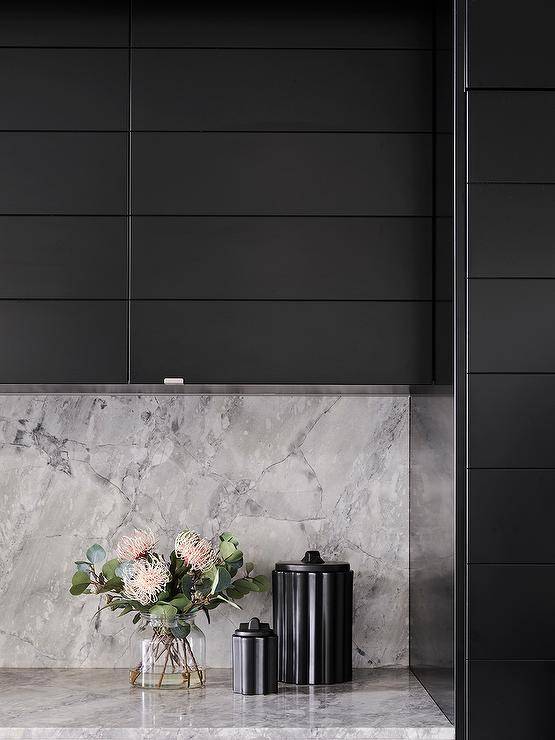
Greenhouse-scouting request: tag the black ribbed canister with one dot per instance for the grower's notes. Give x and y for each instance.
(255, 655)
(313, 616)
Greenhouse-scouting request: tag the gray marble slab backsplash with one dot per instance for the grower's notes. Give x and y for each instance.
(284, 473)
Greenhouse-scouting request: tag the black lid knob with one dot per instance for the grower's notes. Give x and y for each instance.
(254, 628)
(312, 557)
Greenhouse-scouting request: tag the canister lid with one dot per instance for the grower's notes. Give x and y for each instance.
(254, 628)
(313, 562)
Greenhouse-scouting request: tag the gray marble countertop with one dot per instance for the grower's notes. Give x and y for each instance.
(380, 704)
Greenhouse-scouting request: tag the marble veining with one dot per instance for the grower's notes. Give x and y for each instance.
(285, 473)
(380, 704)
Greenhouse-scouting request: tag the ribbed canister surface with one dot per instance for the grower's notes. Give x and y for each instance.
(313, 614)
(255, 664)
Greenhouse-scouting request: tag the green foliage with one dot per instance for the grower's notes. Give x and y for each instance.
(163, 611)
(96, 554)
(181, 630)
(109, 569)
(187, 591)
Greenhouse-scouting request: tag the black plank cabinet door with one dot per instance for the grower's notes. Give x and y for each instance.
(281, 174)
(511, 231)
(282, 90)
(282, 258)
(80, 257)
(511, 516)
(353, 342)
(64, 89)
(63, 173)
(511, 700)
(62, 23)
(511, 325)
(63, 341)
(511, 44)
(512, 421)
(379, 24)
(511, 136)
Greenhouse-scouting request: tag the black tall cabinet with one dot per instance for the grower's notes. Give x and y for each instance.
(506, 191)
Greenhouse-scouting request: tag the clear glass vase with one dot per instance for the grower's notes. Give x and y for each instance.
(171, 654)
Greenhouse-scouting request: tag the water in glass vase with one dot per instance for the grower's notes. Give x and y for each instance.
(172, 654)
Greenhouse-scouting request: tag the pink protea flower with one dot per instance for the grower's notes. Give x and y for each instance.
(144, 579)
(138, 545)
(194, 550)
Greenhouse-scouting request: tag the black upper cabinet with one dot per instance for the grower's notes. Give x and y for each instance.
(511, 43)
(282, 174)
(512, 421)
(281, 341)
(64, 23)
(511, 231)
(63, 173)
(511, 136)
(63, 257)
(64, 89)
(282, 258)
(511, 325)
(379, 24)
(280, 90)
(63, 342)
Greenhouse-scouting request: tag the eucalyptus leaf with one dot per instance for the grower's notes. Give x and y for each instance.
(263, 582)
(222, 582)
(80, 577)
(186, 585)
(78, 589)
(228, 537)
(109, 568)
(227, 549)
(84, 567)
(249, 567)
(136, 618)
(163, 611)
(245, 585)
(181, 602)
(96, 553)
(235, 557)
(234, 593)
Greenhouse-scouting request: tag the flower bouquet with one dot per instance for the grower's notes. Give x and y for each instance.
(165, 595)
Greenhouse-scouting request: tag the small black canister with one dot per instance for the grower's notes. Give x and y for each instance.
(313, 616)
(254, 649)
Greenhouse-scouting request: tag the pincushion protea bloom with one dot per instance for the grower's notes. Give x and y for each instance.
(194, 550)
(138, 545)
(144, 579)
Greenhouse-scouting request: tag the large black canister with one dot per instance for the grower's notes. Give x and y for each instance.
(313, 619)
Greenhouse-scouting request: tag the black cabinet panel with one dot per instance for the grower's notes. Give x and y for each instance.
(512, 611)
(63, 341)
(63, 173)
(64, 23)
(511, 136)
(511, 231)
(63, 257)
(512, 421)
(64, 89)
(511, 44)
(511, 516)
(511, 325)
(262, 90)
(281, 342)
(378, 24)
(511, 700)
(254, 174)
(303, 258)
